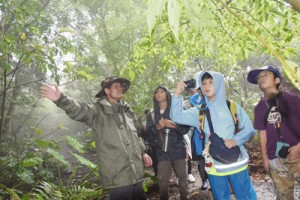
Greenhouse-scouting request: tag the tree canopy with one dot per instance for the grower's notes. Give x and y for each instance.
(76, 43)
(233, 30)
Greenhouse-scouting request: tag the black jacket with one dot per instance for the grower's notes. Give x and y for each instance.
(154, 136)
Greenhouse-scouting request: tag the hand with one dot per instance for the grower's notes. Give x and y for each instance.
(147, 160)
(179, 88)
(229, 143)
(160, 124)
(294, 152)
(50, 92)
(169, 123)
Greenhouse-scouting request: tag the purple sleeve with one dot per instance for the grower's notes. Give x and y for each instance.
(295, 104)
(259, 116)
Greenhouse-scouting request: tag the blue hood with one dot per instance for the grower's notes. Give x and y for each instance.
(220, 114)
(219, 85)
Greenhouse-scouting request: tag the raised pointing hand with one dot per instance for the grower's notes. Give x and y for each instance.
(50, 92)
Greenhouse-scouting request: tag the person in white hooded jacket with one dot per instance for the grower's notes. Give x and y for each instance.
(213, 88)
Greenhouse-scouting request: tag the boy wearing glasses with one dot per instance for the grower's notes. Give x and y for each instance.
(277, 119)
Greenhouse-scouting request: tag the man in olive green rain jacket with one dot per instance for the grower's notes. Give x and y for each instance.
(120, 150)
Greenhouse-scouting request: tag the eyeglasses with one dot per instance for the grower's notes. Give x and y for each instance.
(263, 75)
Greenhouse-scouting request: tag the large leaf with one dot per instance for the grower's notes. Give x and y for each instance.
(174, 16)
(193, 10)
(25, 175)
(85, 162)
(75, 144)
(59, 157)
(31, 162)
(42, 143)
(155, 8)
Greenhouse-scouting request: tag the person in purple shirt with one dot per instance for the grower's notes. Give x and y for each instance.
(277, 118)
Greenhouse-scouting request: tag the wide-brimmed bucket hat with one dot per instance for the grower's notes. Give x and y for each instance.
(110, 80)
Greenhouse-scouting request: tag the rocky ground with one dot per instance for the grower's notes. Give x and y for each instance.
(262, 182)
(262, 185)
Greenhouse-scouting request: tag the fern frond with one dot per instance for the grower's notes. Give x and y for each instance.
(77, 192)
(47, 191)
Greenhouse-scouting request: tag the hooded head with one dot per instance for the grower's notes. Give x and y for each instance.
(166, 114)
(107, 83)
(219, 87)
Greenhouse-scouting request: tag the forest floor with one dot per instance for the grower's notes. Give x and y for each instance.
(261, 181)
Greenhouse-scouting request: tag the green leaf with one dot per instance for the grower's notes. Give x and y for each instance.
(38, 131)
(25, 175)
(174, 16)
(193, 9)
(66, 29)
(131, 75)
(58, 157)
(75, 144)
(13, 194)
(61, 126)
(85, 75)
(31, 162)
(93, 144)
(155, 8)
(85, 162)
(42, 143)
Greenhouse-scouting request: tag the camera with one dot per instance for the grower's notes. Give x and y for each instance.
(190, 83)
(282, 150)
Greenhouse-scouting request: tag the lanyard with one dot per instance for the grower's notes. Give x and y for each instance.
(280, 136)
(276, 126)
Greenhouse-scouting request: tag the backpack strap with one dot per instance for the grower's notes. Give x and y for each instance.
(201, 115)
(152, 115)
(231, 106)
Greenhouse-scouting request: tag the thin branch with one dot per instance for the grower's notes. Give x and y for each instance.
(20, 86)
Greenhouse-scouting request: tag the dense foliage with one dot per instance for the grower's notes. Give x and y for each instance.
(76, 43)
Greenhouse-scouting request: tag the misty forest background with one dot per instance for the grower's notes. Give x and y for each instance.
(76, 44)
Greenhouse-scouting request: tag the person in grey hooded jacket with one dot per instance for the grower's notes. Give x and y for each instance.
(120, 151)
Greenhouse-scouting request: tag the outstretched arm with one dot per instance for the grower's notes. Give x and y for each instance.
(50, 92)
(77, 110)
